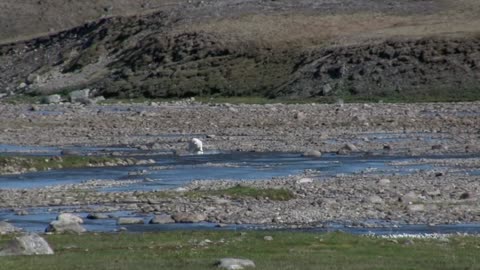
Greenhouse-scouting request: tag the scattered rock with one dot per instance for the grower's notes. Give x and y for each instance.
(28, 244)
(234, 264)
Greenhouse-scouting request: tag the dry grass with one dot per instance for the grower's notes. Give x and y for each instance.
(295, 29)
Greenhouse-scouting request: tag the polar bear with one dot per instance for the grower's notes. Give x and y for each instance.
(195, 146)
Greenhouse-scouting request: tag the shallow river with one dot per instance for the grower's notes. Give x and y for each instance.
(173, 171)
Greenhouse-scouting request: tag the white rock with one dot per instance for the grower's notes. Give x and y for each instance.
(305, 181)
(69, 218)
(234, 264)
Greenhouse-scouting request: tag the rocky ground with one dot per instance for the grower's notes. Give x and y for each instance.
(409, 129)
(361, 200)
(433, 197)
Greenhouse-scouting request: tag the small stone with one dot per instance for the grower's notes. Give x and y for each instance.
(375, 199)
(384, 182)
(299, 116)
(305, 181)
(416, 207)
(234, 264)
(312, 153)
(268, 238)
(347, 148)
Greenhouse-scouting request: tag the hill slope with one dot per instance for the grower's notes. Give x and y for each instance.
(365, 49)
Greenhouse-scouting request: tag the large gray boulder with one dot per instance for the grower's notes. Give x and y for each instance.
(52, 99)
(66, 223)
(347, 148)
(28, 244)
(6, 228)
(69, 218)
(57, 226)
(189, 218)
(312, 153)
(80, 96)
(234, 264)
(162, 219)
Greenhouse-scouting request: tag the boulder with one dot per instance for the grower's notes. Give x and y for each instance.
(6, 228)
(52, 99)
(268, 238)
(80, 96)
(130, 221)
(312, 153)
(58, 226)
(232, 263)
(188, 218)
(98, 216)
(69, 218)
(347, 148)
(409, 197)
(304, 181)
(28, 244)
(162, 219)
(375, 199)
(416, 208)
(384, 182)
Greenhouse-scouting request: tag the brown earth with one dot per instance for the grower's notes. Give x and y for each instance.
(365, 49)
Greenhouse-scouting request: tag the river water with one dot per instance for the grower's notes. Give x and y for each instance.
(171, 171)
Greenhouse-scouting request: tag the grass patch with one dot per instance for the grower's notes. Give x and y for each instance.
(240, 192)
(288, 250)
(22, 163)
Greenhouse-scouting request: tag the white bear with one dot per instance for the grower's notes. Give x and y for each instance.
(195, 146)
